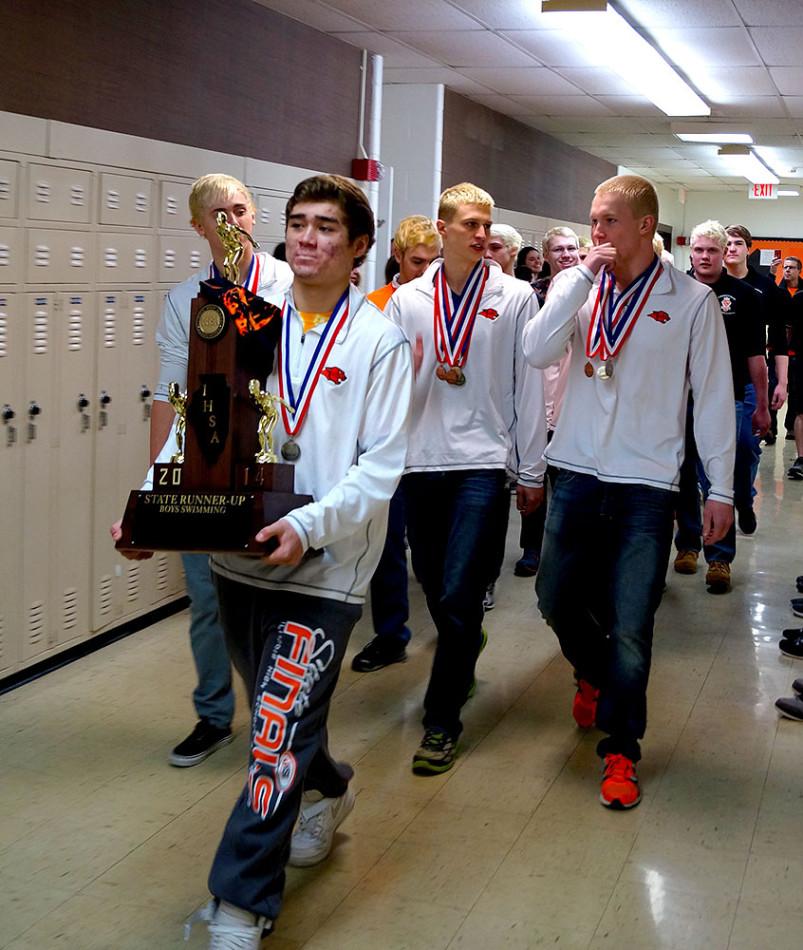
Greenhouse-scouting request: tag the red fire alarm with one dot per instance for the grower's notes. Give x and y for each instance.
(680, 240)
(367, 169)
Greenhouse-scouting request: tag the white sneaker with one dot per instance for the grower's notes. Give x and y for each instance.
(230, 927)
(318, 821)
(489, 600)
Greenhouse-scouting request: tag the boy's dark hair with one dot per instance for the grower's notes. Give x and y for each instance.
(350, 199)
(740, 231)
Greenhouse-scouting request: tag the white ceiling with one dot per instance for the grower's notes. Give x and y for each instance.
(744, 56)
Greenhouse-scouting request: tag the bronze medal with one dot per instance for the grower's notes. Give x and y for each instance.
(588, 369)
(291, 451)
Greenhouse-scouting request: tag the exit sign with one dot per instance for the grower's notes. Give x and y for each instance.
(763, 192)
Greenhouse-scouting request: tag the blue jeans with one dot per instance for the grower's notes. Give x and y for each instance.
(213, 696)
(452, 528)
(390, 606)
(604, 558)
(748, 452)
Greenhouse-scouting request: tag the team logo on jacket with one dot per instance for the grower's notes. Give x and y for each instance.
(660, 316)
(334, 374)
(489, 313)
(726, 303)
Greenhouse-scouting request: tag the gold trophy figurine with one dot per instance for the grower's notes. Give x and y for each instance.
(267, 403)
(178, 400)
(229, 235)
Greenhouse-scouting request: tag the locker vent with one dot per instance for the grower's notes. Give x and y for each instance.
(69, 609)
(112, 199)
(5, 189)
(195, 259)
(42, 191)
(109, 325)
(171, 205)
(77, 195)
(36, 623)
(138, 326)
(283, 218)
(40, 332)
(169, 257)
(76, 256)
(264, 215)
(132, 590)
(141, 202)
(5, 255)
(141, 257)
(41, 255)
(3, 333)
(74, 327)
(162, 571)
(110, 257)
(105, 592)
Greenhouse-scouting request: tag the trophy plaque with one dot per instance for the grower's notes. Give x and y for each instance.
(224, 482)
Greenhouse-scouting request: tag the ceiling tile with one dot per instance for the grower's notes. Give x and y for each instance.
(466, 48)
(748, 107)
(761, 13)
(396, 55)
(691, 13)
(788, 79)
(795, 106)
(597, 81)
(779, 47)
(722, 84)
(537, 80)
(506, 14)
(444, 75)
(630, 105)
(433, 14)
(562, 105)
(314, 14)
(556, 48)
(703, 48)
(498, 103)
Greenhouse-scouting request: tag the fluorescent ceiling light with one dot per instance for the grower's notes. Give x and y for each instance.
(773, 158)
(596, 25)
(716, 138)
(741, 160)
(786, 192)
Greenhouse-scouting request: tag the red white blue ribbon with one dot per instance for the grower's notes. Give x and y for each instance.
(453, 327)
(300, 399)
(612, 320)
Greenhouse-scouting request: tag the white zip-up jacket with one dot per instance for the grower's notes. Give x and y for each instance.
(496, 420)
(173, 330)
(631, 428)
(353, 445)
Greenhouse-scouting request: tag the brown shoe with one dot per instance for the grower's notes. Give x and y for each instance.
(686, 562)
(718, 577)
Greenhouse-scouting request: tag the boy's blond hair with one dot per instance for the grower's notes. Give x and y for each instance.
(709, 229)
(463, 194)
(637, 192)
(209, 190)
(414, 230)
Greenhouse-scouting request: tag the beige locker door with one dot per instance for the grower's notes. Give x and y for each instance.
(72, 469)
(181, 256)
(9, 189)
(174, 211)
(107, 507)
(58, 194)
(12, 365)
(125, 200)
(37, 430)
(11, 261)
(126, 258)
(60, 257)
(270, 220)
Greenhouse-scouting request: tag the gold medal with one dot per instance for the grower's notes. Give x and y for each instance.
(606, 370)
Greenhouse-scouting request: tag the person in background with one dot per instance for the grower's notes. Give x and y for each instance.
(504, 245)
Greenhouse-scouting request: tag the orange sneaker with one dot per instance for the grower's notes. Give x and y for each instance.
(619, 783)
(584, 707)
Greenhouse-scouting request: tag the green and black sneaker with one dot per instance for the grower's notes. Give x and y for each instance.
(436, 753)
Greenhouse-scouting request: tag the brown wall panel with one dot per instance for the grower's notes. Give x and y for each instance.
(227, 75)
(524, 170)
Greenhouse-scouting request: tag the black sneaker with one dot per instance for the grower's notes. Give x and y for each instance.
(790, 436)
(199, 744)
(527, 564)
(747, 520)
(378, 653)
(797, 686)
(799, 583)
(489, 600)
(790, 707)
(792, 647)
(795, 470)
(769, 438)
(436, 753)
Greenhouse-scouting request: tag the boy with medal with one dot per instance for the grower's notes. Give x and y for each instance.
(647, 333)
(346, 371)
(472, 388)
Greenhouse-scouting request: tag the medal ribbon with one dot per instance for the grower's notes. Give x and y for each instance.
(300, 400)
(612, 321)
(453, 329)
(251, 281)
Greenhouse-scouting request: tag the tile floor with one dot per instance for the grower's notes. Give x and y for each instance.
(103, 845)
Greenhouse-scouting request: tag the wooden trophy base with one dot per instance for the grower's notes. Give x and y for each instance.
(171, 518)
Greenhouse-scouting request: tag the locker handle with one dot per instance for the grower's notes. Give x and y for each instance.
(8, 413)
(144, 392)
(34, 409)
(104, 398)
(83, 402)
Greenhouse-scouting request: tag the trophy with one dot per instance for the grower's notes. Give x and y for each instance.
(224, 481)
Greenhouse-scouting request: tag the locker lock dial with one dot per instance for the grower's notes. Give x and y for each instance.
(103, 416)
(7, 414)
(144, 394)
(34, 409)
(83, 405)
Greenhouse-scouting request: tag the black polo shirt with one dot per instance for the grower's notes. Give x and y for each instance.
(743, 314)
(776, 305)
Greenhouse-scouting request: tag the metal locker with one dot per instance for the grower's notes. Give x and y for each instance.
(11, 241)
(125, 257)
(9, 189)
(60, 257)
(270, 219)
(37, 429)
(180, 256)
(58, 194)
(107, 566)
(126, 200)
(12, 362)
(72, 472)
(174, 210)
